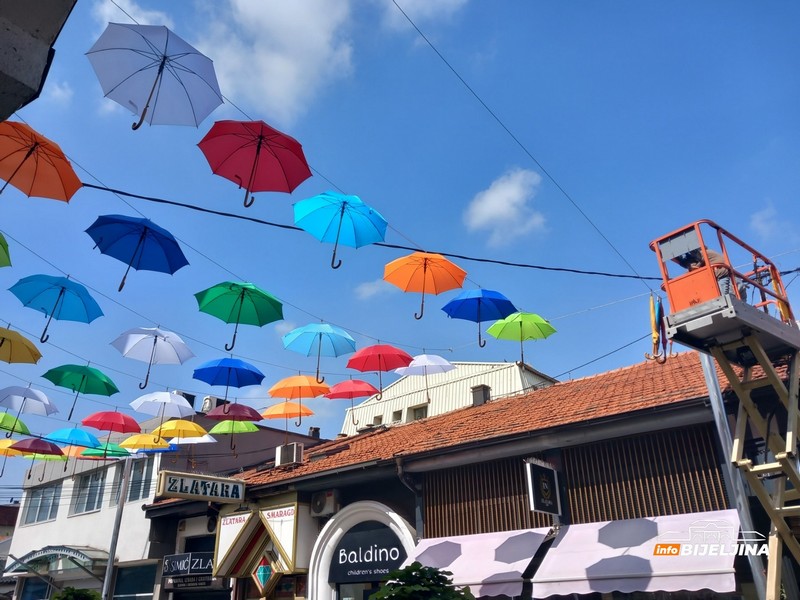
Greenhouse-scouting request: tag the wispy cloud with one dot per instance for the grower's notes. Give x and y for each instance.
(765, 222)
(420, 11)
(504, 209)
(284, 327)
(105, 12)
(370, 289)
(57, 92)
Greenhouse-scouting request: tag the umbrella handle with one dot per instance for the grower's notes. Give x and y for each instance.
(353, 413)
(72, 408)
(3, 470)
(146, 379)
(238, 317)
(40, 479)
(421, 309)
(334, 264)
(233, 342)
(299, 421)
(248, 199)
(136, 126)
(44, 337)
(481, 342)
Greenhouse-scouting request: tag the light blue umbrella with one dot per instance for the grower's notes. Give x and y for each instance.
(57, 297)
(320, 339)
(73, 436)
(339, 219)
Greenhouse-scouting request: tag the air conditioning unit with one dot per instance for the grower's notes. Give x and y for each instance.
(325, 503)
(190, 398)
(288, 454)
(210, 403)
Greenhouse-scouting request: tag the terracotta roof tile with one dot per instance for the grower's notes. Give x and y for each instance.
(643, 386)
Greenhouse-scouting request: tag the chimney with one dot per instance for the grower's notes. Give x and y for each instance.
(481, 394)
(313, 432)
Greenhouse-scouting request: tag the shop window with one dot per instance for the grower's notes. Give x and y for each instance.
(419, 412)
(141, 479)
(88, 495)
(34, 588)
(135, 582)
(42, 504)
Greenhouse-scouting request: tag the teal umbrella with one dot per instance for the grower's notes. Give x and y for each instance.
(81, 379)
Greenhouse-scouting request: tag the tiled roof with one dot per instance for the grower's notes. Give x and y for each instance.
(643, 386)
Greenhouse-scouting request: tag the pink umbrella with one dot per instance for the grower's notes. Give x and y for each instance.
(111, 420)
(352, 388)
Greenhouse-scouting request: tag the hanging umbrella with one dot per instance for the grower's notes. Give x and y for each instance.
(111, 420)
(57, 297)
(5, 257)
(36, 446)
(34, 164)
(163, 404)
(73, 436)
(81, 379)
(320, 339)
(297, 387)
(228, 372)
(478, 306)
(521, 326)
(108, 451)
(138, 242)
(16, 348)
(149, 68)
(12, 424)
(26, 400)
(338, 219)
(233, 412)
(153, 346)
(232, 427)
(179, 428)
(201, 439)
(426, 364)
(287, 410)
(380, 358)
(240, 303)
(6, 451)
(144, 441)
(256, 156)
(350, 389)
(424, 272)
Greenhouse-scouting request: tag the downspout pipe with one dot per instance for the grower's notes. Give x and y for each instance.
(408, 480)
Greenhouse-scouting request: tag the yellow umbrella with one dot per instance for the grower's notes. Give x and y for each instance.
(179, 428)
(16, 348)
(144, 441)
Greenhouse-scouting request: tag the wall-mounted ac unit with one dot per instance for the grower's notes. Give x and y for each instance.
(210, 403)
(289, 454)
(324, 503)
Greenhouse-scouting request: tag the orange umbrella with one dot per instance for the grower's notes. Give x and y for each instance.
(297, 387)
(424, 272)
(34, 164)
(285, 410)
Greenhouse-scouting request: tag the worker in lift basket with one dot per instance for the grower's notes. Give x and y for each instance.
(694, 260)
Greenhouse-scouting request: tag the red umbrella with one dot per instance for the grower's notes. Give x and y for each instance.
(256, 156)
(111, 420)
(36, 446)
(379, 357)
(352, 388)
(234, 412)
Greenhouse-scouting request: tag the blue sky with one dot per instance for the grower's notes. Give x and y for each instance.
(647, 115)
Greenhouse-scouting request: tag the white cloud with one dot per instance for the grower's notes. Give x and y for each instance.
(504, 210)
(105, 12)
(765, 222)
(284, 327)
(420, 11)
(277, 55)
(57, 92)
(370, 289)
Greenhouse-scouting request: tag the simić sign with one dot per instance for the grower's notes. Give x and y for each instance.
(199, 487)
(188, 563)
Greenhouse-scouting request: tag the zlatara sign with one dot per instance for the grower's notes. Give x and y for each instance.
(199, 487)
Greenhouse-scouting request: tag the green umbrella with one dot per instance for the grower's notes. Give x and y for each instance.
(81, 379)
(5, 257)
(521, 326)
(233, 427)
(12, 424)
(240, 303)
(108, 450)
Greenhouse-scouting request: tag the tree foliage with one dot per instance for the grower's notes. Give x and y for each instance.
(71, 593)
(416, 582)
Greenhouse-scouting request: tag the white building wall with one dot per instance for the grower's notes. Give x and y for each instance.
(447, 392)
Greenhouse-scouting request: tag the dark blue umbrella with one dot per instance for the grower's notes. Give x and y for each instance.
(138, 242)
(228, 372)
(57, 297)
(478, 306)
(339, 219)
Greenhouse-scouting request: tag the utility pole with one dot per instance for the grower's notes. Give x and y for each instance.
(112, 549)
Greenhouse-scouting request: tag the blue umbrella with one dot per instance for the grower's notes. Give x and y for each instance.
(57, 297)
(73, 436)
(320, 339)
(478, 306)
(138, 242)
(339, 219)
(228, 372)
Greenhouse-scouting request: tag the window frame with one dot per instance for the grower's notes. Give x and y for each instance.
(95, 486)
(37, 495)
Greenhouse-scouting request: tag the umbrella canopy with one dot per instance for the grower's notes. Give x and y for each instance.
(26, 400)
(201, 439)
(287, 410)
(108, 451)
(81, 379)
(34, 164)
(231, 427)
(144, 441)
(12, 424)
(228, 372)
(424, 272)
(321, 339)
(380, 358)
(137, 242)
(153, 346)
(521, 326)
(255, 156)
(163, 404)
(16, 348)
(339, 219)
(233, 412)
(240, 303)
(111, 420)
(426, 364)
(37, 446)
(58, 297)
(297, 387)
(6, 450)
(350, 389)
(5, 257)
(179, 428)
(73, 436)
(155, 74)
(479, 305)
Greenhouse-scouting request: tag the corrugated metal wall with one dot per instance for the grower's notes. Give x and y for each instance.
(663, 473)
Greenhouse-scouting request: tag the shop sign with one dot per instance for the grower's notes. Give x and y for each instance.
(199, 487)
(543, 491)
(367, 552)
(188, 563)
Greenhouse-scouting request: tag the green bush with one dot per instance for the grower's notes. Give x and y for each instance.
(416, 582)
(70, 593)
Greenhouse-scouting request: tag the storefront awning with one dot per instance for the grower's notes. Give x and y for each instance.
(491, 564)
(678, 552)
(75, 553)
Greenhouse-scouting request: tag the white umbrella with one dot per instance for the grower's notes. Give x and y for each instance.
(26, 400)
(425, 364)
(163, 404)
(202, 439)
(153, 346)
